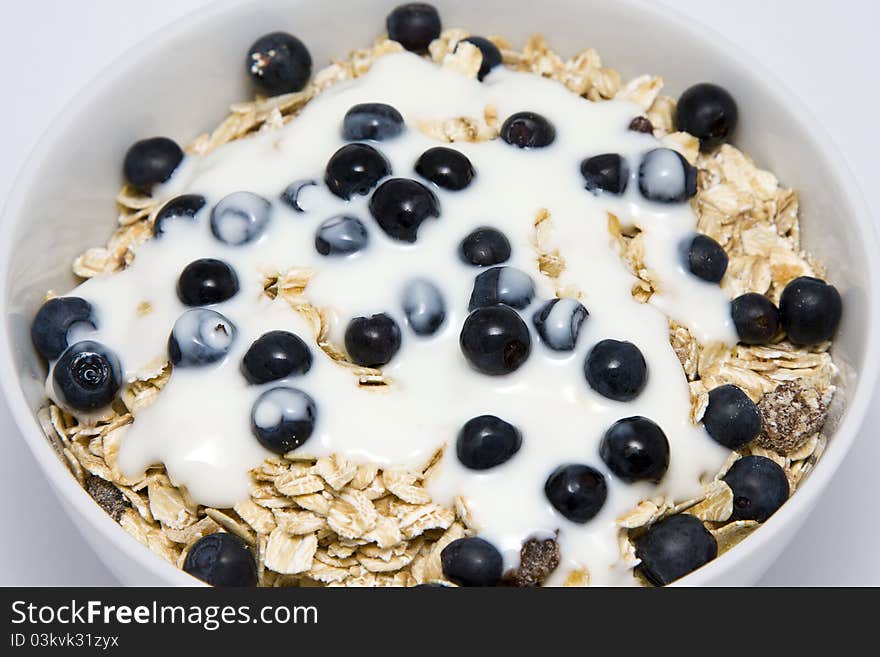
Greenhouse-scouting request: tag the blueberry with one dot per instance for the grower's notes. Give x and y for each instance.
(206, 281)
(472, 561)
(200, 337)
(674, 547)
(616, 370)
(605, 173)
(759, 488)
(276, 355)
(810, 310)
(54, 320)
(489, 51)
(495, 340)
(341, 235)
(755, 317)
(559, 322)
(283, 418)
(186, 206)
(376, 121)
(222, 559)
(666, 177)
(709, 113)
(485, 247)
(506, 285)
(354, 170)
(292, 194)
(635, 449)
(423, 306)
(528, 130)
(240, 217)
(731, 418)
(706, 258)
(446, 168)
(487, 441)
(151, 161)
(87, 376)
(372, 341)
(577, 491)
(414, 26)
(401, 205)
(279, 63)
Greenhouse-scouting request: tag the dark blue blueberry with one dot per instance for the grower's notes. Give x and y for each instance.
(279, 63)
(605, 173)
(414, 26)
(240, 218)
(283, 418)
(506, 285)
(810, 310)
(87, 376)
(528, 130)
(485, 247)
(276, 355)
(489, 51)
(400, 206)
(731, 418)
(674, 547)
(495, 340)
(759, 487)
(472, 561)
(559, 322)
(151, 161)
(222, 559)
(292, 194)
(706, 258)
(487, 441)
(206, 281)
(666, 177)
(376, 121)
(576, 491)
(54, 320)
(635, 449)
(755, 317)
(616, 370)
(186, 206)
(354, 170)
(372, 341)
(200, 336)
(708, 112)
(341, 235)
(423, 306)
(446, 168)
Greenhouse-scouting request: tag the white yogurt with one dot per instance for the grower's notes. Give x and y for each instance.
(199, 427)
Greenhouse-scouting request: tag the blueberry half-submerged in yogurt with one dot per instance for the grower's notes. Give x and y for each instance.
(87, 376)
(576, 491)
(487, 441)
(528, 130)
(484, 247)
(507, 285)
(424, 306)
(559, 322)
(185, 206)
(401, 205)
(54, 321)
(354, 170)
(200, 337)
(293, 194)
(283, 418)
(341, 235)
(666, 177)
(240, 218)
(276, 355)
(374, 121)
(607, 173)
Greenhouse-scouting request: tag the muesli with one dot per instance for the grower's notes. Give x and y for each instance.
(445, 313)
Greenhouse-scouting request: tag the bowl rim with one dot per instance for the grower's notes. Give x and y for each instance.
(71, 493)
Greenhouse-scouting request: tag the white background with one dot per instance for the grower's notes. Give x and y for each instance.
(827, 53)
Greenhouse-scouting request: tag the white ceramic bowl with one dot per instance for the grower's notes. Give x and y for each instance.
(180, 81)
